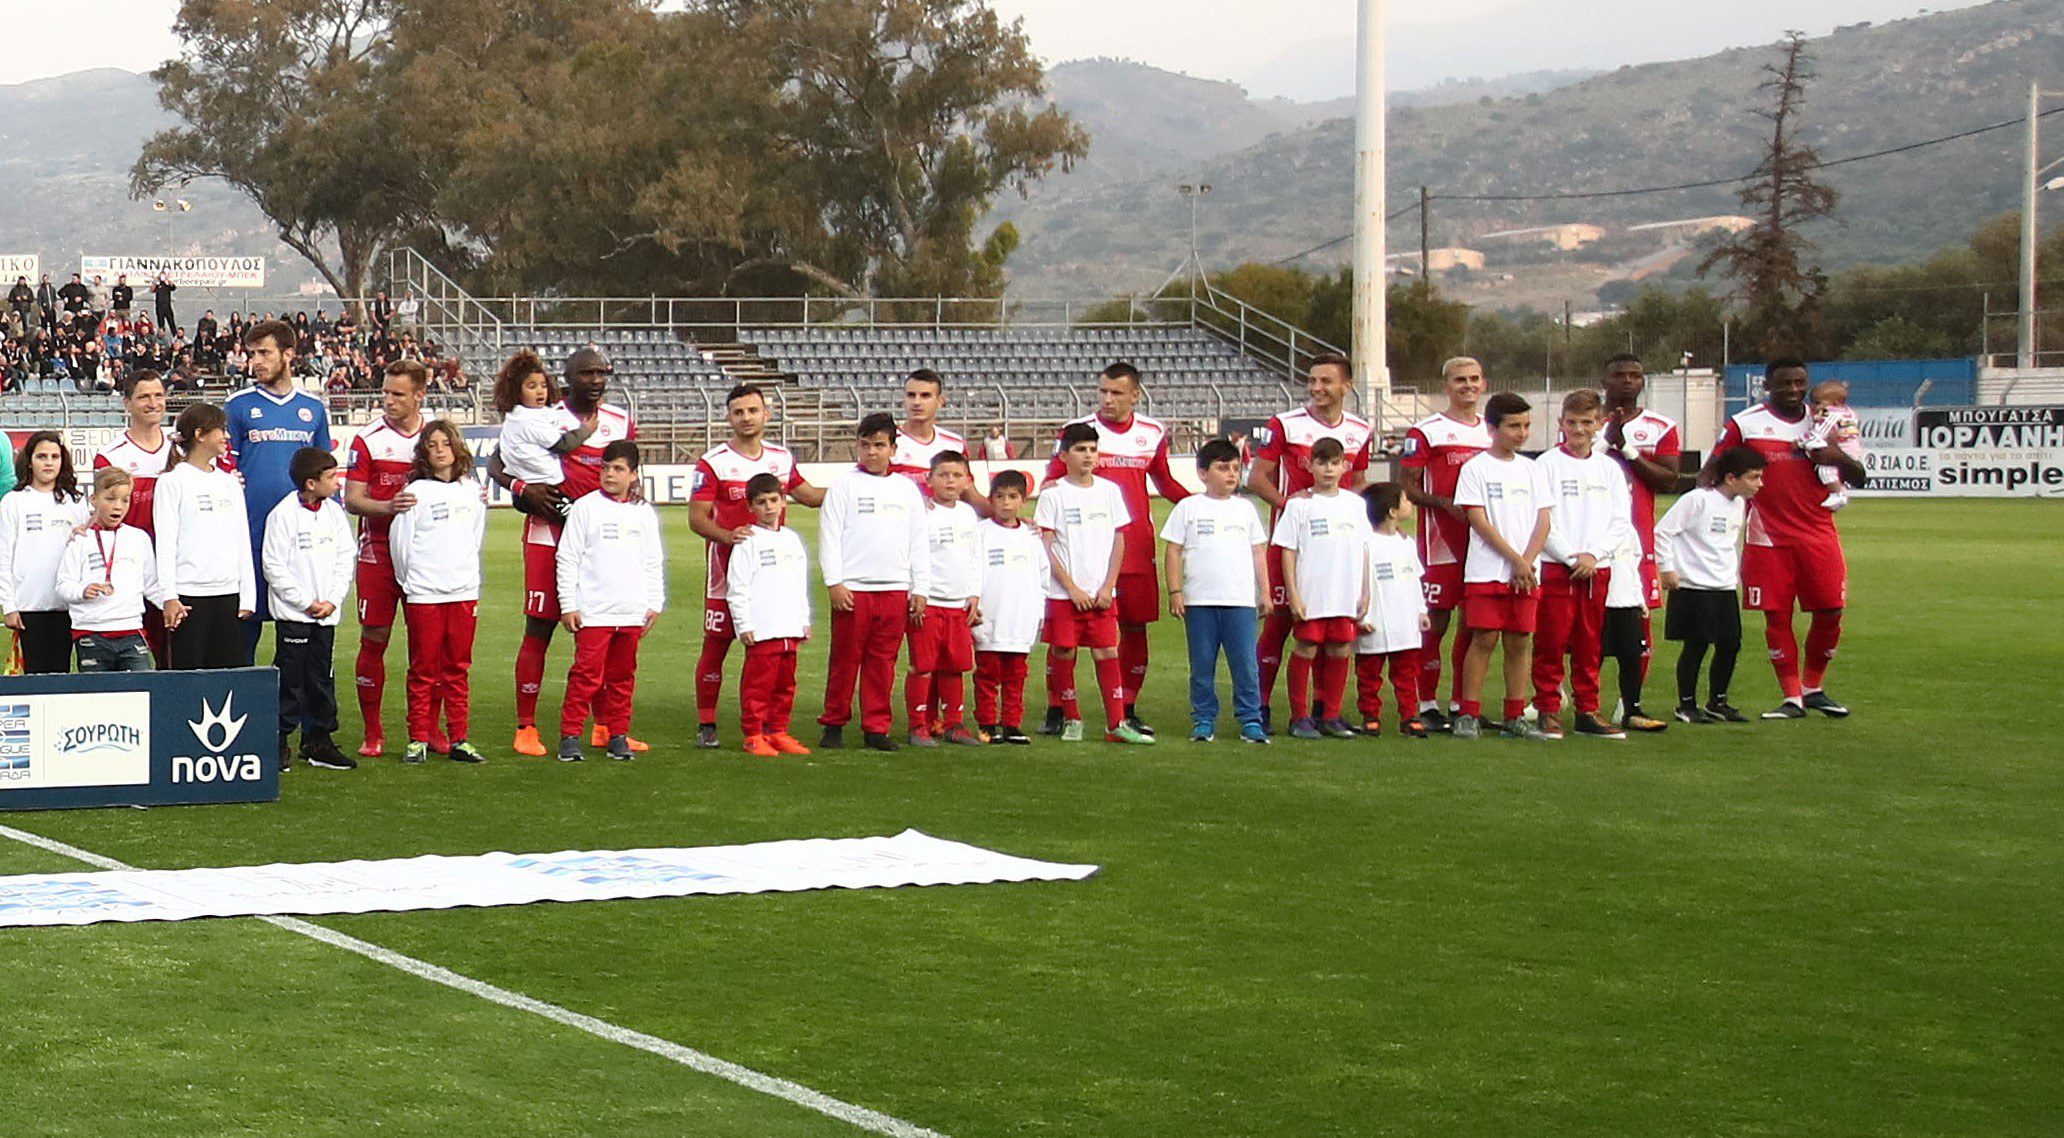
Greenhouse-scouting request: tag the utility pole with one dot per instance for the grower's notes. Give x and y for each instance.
(1371, 335)
(1425, 253)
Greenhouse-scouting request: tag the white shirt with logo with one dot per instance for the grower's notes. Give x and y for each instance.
(768, 587)
(1593, 507)
(1014, 584)
(1328, 532)
(955, 554)
(1085, 521)
(436, 543)
(1396, 598)
(871, 534)
(1512, 493)
(1217, 536)
(34, 529)
(1700, 540)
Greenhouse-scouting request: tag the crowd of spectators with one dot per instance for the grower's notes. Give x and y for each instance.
(87, 336)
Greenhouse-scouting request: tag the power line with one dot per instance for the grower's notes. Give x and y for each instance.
(1413, 208)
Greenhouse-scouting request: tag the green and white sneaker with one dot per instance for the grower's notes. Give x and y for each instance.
(1071, 731)
(464, 752)
(418, 751)
(1127, 733)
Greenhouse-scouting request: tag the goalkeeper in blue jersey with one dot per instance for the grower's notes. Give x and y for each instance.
(268, 422)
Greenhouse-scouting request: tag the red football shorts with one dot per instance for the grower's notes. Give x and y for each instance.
(541, 581)
(716, 619)
(1492, 606)
(1327, 630)
(1443, 586)
(1139, 598)
(942, 642)
(379, 594)
(1813, 576)
(1651, 582)
(1068, 628)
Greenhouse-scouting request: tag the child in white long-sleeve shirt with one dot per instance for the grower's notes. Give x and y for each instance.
(310, 558)
(36, 521)
(204, 546)
(612, 587)
(1394, 630)
(105, 576)
(536, 428)
(871, 551)
(436, 547)
(767, 586)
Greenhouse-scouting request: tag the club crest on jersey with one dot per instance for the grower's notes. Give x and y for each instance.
(307, 416)
(1411, 446)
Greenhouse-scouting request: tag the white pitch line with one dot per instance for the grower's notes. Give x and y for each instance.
(870, 1120)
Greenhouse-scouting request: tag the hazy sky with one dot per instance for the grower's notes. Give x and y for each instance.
(1229, 39)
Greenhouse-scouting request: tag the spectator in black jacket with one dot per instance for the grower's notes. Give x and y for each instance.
(162, 291)
(121, 296)
(74, 295)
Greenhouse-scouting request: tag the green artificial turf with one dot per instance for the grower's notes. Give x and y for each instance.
(1816, 927)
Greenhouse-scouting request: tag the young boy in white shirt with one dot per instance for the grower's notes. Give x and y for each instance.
(436, 549)
(1626, 635)
(1324, 537)
(612, 587)
(1592, 515)
(942, 643)
(1080, 517)
(767, 585)
(1698, 554)
(871, 550)
(1214, 559)
(1398, 619)
(104, 577)
(1506, 498)
(1013, 604)
(310, 557)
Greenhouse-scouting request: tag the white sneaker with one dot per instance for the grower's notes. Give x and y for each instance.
(1834, 501)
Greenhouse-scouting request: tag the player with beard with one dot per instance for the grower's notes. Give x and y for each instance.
(382, 459)
(720, 512)
(269, 422)
(587, 373)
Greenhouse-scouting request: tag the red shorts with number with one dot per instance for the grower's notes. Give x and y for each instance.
(1279, 595)
(541, 581)
(379, 594)
(1326, 630)
(1068, 628)
(1443, 586)
(942, 642)
(1492, 606)
(1139, 598)
(1813, 576)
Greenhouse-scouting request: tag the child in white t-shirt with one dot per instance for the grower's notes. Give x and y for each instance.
(536, 427)
(1509, 504)
(1081, 518)
(1013, 605)
(1698, 557)
(1324, 537)
(1217, 577)
(942, 643)
(1397, 620)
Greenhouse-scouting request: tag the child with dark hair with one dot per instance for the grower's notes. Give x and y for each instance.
(1699, 556)
(1397, 622)
(942, 643)
(1214, 559)
(767, 585)
(871, 550)
(204, 546)
(36, 522)
(436, 547)
(612, 588)
(1324, 536)
(1507, 500)
(1013, 603)
(310, 558)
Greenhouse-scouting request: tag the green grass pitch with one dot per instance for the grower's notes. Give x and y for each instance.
(1787, 928)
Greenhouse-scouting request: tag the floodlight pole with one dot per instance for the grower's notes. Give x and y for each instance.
(1370, 345)
(2024, 345)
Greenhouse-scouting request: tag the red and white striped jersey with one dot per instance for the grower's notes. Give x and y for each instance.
(1287, 441)
(720, 477)
(1441, 446)
(1787, 511)
(144, 467)
(583, 467)
(913, 458)
(1130, 454)
(381, 458)
(723, 470)
(1659, 441)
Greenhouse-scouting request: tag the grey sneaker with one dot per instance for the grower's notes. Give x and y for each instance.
(569, 749)
(1304, 728)
(921, 739)
(1337, 729)
(1465, 727)
(620, 748)
(1071, 731)
(706, 736)
(1517, 727)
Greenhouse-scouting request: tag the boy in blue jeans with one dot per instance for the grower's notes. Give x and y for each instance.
(1217, 581)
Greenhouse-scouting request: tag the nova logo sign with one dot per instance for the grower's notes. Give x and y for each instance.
(217, 733)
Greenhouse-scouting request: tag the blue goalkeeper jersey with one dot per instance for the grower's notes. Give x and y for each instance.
(264, 432)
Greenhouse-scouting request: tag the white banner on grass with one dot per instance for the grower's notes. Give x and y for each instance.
(433, 882)
(183, 272)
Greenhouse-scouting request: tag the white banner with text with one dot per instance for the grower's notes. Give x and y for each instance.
(183, 272)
